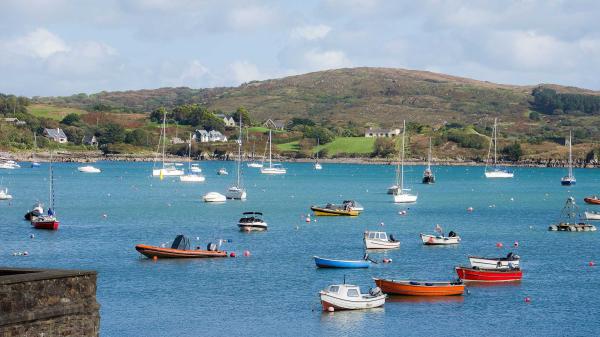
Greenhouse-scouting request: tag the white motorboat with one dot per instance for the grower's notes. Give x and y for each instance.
(401, 194)
(214, 197)
(88, 169)
(591, 215)
(193, 176)
(511, 261)
(495, 171)
(4, 194)
(237, 191)
(349, 297)
(8, 164)
(222, 171)
(167, 169)
(36, 211)
(434, 240)
(252, 221)
(379, 240)
(273, 168)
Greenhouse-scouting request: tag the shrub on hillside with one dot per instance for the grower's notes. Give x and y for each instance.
(384, 147)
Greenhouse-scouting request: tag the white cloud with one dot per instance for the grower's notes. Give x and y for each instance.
(244, 71)
(38, 43)
(251, 17)
(311, 32)
(328, 59)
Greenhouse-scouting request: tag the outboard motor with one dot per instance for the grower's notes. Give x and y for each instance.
(451, 234)
(509, 256)
(392, 238)
(375, 291)
(211, 247)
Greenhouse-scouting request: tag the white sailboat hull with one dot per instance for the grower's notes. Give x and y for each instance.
(167, 172)
(88, 169)
(499, 174)
(273, 170)
(192, 178)
(214, 197)
(405, 198)
(4, 195)
(255, 165)
(318, 166)
(236, 193)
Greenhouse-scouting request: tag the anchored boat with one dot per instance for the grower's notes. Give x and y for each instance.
(591, 215)
(593, 200)
(495, 171)
(474, 274)
(379, 240)
(334, 210)
(510, 261)
(420, 288)
(252, 221)
(332, 263)
(428, 176)
(440, 239)
(349, 297)
(399, 192)
(180, 249)
(569, 179)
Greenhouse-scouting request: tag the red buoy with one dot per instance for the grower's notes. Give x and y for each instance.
(592, 263)
(246, 253)
(499, 244)
(527, 300)
(232, 254)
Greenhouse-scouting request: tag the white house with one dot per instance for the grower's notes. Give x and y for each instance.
(216, 136)
(229, 121)
(57, 135)
(203, 136)
(377, 133)
(274, 124)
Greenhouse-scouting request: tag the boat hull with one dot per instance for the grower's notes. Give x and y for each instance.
(321, 211)
(45, 224)
(159, 252)
(488, 275)
(167, 172)
(192, 178)
(236, 193)
(499, 174)
(329, 301)
(592, 200)
(428, 180)
(411, 288)
(252, 227)
(568, 182)
(492, 263)
(432, 240)
(405, 198)
(380, 244)
(271, 170)
(214, 197)
(567, 227)
(330, 263)
(592, 215)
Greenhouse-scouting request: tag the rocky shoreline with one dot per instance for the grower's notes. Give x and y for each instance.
(93, 156)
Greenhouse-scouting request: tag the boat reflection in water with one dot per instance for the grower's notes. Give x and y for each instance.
(425, 299)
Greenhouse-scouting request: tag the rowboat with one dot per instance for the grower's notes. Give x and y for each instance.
(439, 239)
(471, 274)
(594, 200)
(379, 240)
(349, 297)
(180, 249)
(331, 263)
(591, 215)
(334, 210)
(510, 261)
(420, 288)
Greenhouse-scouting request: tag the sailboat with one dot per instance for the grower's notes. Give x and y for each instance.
(495, 171)
(317, 165)
(168, 169)
(254, 163)
(48, 221)
(34, 163)
(191, 177)
(428, 176)
(569, 179)
(237, 191)
(273, 168)
(401, 194)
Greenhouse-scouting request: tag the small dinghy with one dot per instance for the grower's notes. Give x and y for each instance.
(36, 210)
(332, 263)
(222, 172)
(88, 169)
(4, 194)
(591, 215)
(334, 210)
(420, 288)
(214, 197)
(349, 297)
(251, 221)
(379, 240)
(440, 239)
(593, 200)
(474, 274)
(180, 249)
(510, 261)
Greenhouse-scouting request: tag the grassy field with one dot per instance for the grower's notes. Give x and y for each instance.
(291, 146)
(52, 112)
(262, 129)
(361, 145)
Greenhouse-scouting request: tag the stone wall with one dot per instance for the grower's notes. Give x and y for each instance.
(37, 302)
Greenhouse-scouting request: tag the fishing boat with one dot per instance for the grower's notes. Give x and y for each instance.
(332, 263)
(180, 249)
(237, 191)
(591, 215)
(222, 171)
(593, 200)
(428, 176)
(193, 176)
(401, 194)
(88, 169)
(167, 169)
(348, 297)
(474, 274)
(510, 261)
(379, 240)
(4, 195)
(214, 197)
(495, 171)
(440, 238)
(36, 210)
(420, 288)
(317, 166)
(568, 220)
(252, 221)
(272, 168)
(334, 210)
(49, 220)
(569, 179)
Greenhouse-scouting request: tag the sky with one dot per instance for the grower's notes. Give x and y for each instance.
(65, 47)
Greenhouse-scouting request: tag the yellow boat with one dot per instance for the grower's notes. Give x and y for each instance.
(334, 210)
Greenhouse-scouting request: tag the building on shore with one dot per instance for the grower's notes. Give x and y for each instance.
(56, 135)
(379, 133)
(203, 136)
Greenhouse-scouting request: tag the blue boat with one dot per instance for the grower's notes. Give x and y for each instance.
(331, 263)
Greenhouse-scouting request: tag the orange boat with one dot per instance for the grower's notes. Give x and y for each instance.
(180, 249)
(414, 288)
(594, 200)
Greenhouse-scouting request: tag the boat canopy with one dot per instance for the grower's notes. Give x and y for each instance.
(181, 242)
(252, 213)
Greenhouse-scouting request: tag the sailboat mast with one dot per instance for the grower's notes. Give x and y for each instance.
(429, 156)
(190, 153)
(570, 156)
(402, 158)
(239, 163)
(164, 134)
(495, 139)
(51, 191)
(270, 144)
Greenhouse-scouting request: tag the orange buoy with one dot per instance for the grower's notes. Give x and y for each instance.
(155, 258)
(246, 253)
(499, 245)
(232, 254)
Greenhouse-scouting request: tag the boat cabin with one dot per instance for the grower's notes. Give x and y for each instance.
(345, 290)
(378, 236)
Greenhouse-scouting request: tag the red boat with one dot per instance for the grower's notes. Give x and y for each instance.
(45, 222)
(469, 274)
(592, 200)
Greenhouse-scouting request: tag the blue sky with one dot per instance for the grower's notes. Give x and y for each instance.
(63, 47)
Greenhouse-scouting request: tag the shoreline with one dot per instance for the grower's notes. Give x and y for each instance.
(94, 156)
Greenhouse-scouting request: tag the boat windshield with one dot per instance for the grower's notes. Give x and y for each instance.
(333, 289)
(353, 292)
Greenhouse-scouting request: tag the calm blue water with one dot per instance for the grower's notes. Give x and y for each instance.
(274, 292)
